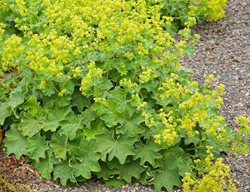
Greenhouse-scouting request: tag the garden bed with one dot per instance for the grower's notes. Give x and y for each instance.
(221, 51)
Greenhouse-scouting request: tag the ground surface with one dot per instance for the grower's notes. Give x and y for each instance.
(224, 50)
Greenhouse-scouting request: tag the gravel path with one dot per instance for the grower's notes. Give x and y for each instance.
(223, 51)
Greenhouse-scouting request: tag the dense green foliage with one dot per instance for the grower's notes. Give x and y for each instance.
(96, 88)
(193, 11)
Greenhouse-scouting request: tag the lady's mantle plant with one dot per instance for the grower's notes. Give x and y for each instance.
(187, 10)
(96, 88)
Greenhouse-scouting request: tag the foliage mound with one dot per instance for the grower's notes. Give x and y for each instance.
(193, 10)
(96, 88)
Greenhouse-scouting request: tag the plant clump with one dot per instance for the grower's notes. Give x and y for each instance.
(194, 11)
(97, 88)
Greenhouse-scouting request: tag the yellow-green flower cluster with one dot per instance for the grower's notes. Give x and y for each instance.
(49, 53)
(210, 9)
(70, 34)
(4, 4)
(196, 107)
(11, 52)
(62, 92)
(194, 100)
(21, 4)
(188, 124)
(142, 106)
(181, 46)
(190, 12)
(149, 120)
(147, 75)
(101, 101)
(171, 88)
(169, 133)
(127, 83)
(209, 79)
(244, 122)
(90, 78)
(216, 9)
(215, 177)
(243, 133)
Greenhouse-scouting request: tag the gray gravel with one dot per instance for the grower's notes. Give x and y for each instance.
(224, 50)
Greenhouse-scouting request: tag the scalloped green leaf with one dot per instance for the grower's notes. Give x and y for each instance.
(172, 168)
(113, 182)
(15, 142)
(32, 106)
(111, 147)
(29, 126)
(49, 89)
(79, 101)
(85, 159)
(97, 128)
(118, 97)
(131, 124)
(101, 86)
(55, 116)
(114, 164)
(106, 172)
(4, 112)
(109, 118)
(64, 172)
(45, 166)
(59, 145)
(131, 170)
(37, 147)
(17, 96)
(166, 178)
(147, 153)
(88, 116)
(70, 126)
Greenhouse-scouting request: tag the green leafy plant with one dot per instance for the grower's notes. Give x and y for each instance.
(216, 174)
(191, 11)
(97, 88)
